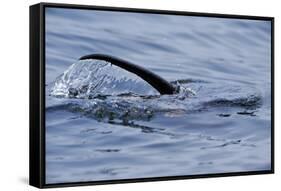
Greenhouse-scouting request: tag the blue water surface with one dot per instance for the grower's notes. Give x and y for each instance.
(119, 127)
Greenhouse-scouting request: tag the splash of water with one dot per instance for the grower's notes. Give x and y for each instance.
(90, 78)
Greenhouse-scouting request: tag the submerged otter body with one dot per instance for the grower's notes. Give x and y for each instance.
(160, 84)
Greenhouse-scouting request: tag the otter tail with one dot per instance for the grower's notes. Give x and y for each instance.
(160, 84)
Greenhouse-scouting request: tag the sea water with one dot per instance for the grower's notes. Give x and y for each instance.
(104, 123)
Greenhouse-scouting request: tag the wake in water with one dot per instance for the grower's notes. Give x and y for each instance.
(107, 93)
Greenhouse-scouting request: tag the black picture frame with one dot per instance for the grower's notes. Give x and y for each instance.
(37, 95)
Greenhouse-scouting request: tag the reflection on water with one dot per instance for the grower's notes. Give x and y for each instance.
(104, 123)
